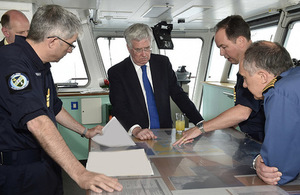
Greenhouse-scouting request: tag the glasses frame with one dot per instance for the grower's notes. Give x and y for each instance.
(70, 45)
(140, 50)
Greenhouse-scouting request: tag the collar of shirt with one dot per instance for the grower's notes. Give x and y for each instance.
(137, 67)
(139, 72)
(5, 42)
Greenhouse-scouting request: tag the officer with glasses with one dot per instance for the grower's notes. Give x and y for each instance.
(32, 151)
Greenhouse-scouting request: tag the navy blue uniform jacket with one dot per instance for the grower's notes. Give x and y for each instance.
(24, 97)
(126, 96)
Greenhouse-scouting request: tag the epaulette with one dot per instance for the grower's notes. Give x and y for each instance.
(234, 95)
(271, 84)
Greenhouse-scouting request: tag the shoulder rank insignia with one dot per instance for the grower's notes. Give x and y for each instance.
(271, 84)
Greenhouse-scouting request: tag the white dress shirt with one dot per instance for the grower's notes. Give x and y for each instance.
(139, 73)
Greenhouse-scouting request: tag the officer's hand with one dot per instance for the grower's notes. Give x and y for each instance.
(143, 134)
(269, 175)
(94, 131)
(188, 136)
(98, 182)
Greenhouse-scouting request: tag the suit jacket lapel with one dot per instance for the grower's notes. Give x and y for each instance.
(134, 84)
(155, 74)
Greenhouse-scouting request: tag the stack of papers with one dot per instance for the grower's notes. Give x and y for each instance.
(120, 163)
(132, 162)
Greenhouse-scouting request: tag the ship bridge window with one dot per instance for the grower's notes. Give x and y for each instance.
(292, 41)
(70, 70)
(216, 64)
(180, 57)
(113, 50)
(266, 33)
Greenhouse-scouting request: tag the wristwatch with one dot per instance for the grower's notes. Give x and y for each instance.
(84, 132)
(254, 162)
(200, 126)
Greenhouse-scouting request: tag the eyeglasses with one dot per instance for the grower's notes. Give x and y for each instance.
(140, 50)
(71, 45)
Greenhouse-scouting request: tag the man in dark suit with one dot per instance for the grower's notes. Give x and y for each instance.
(13, 23)
(127, 91)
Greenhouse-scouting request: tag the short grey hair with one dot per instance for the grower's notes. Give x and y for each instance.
(269, 56)
(53, 20)
(138, 32)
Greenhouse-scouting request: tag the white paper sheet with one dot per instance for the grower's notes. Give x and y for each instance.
(114, 135)
(120, 163)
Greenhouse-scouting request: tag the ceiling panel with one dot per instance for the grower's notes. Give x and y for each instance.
(214, 12)
(119, 14)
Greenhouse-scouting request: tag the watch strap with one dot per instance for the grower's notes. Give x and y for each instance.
(254, 162)
(200, 126)
(84, 132)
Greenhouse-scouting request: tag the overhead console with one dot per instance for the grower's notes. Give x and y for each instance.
(162, 35)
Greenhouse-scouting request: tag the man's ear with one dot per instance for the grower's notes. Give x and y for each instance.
(5, 31)
(241, 41)
(264, 76)
(51, 42)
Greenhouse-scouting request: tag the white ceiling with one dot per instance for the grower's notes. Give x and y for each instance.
(121, 13)
(118, 14)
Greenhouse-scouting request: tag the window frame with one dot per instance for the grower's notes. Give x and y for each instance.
(288, 33)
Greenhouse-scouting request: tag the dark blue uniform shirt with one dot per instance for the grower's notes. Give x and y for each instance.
(254, 126)
(26, 92)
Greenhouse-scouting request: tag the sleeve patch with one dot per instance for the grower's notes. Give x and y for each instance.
(18, 81)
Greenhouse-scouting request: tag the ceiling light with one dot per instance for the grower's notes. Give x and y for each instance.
(156, 11)
(115, 14)
(193, 10)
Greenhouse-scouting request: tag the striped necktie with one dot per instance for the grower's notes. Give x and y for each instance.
(153, 114)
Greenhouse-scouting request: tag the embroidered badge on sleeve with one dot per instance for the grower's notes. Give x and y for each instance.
(18, 81)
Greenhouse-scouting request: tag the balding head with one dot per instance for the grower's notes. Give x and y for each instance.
(14, 23)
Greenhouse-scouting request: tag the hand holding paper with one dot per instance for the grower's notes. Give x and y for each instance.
(113, 135)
